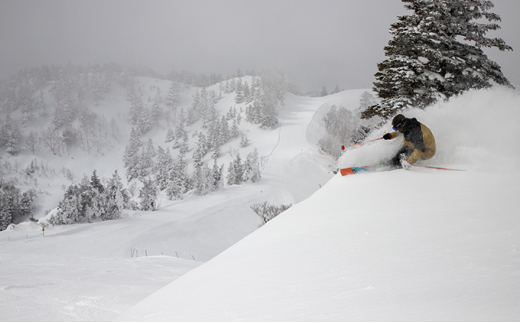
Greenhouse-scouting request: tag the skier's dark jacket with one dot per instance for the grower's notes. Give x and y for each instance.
(418, 137)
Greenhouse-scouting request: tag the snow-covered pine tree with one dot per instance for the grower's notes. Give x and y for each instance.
(131, 157)
(145, 123)
(136, 107)
(252, 167)
(95, 182)
(161, 167)
(234, 130)
(144, 164)
(235, 171)
(156, 112)
(247, 93)
(178, 181)
(436, 52)
(26, 202)
(239, 98)
(200, 151)
(194, 111)
(324, 91)
(170, 136)
(239, 117)
(5, 131)
(173, 97)
(70, 208)
(202, 180)
(217, 181)
(244, 142)
(229, 114)
(116, 197)
(5, 217)
(214, 133)
(217, 151)
(184, 147)
(12, 144)
(148, 195)
(224, 130)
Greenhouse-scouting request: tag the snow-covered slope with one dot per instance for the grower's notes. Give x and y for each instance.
(420, 245)
(96, 271)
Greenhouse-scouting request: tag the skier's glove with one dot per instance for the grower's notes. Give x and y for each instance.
(387, 136)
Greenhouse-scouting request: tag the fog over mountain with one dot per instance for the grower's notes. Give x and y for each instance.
(317, 43)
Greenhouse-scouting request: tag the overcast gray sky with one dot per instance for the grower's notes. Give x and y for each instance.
(315, 42)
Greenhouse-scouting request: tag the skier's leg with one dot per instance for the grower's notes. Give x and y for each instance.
(403, 153)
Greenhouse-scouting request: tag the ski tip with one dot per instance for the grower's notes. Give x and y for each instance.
(346, 171)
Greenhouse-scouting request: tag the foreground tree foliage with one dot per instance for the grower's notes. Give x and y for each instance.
(436, 52)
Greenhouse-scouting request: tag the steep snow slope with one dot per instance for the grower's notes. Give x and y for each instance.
(421, 245)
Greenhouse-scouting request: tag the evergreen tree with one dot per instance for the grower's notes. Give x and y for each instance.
(26, 203)
(131, 157)
(117, 197)
(324, 91)
(200, 150)
(70, 208)
(203, 180)
(224, 130)
(148, 195)
(234, 130)
(6, 217)
(217, 181)
(436, 53)
(239, 98)
(244, 142)
(169, 136)
(173, 97)
(136, 108)
(247, 93)
(178, 182)
(96, 183)
(216, 151)
(252, 167)
(156, 112)
(235, 171)
(161, 167)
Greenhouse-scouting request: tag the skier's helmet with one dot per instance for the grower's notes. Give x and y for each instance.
(398, 121)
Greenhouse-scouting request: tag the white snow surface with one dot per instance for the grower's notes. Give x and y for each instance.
(419, 245)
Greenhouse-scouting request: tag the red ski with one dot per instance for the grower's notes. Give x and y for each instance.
(355, 170)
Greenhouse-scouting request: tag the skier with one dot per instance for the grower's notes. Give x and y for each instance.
(419, 142)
